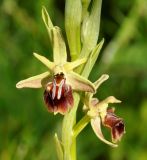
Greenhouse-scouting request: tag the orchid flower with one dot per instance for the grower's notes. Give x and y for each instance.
(59, 80)
(100, 115)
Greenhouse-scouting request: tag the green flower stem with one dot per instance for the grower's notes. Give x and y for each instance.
(74, 149)
(90, 32)
(70, 131)
(69, 144)
(80, 126)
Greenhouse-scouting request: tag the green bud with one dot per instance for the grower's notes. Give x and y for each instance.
(90, 28)
(91, 61)
(73, 16)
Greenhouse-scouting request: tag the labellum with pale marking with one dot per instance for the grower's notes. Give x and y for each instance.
(58, 95)
(116, 125)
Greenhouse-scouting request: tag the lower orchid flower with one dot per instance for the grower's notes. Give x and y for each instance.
(100, 115)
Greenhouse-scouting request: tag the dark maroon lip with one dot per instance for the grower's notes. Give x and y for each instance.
(116, 125)
(58, 95)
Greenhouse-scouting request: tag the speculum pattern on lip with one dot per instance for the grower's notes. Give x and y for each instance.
(58, 95)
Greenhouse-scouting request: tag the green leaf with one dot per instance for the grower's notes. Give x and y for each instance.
(58, 147)
(47, 21)
(45, 61)
(91, 61)
(80, 83)
(90, 28)
(73, 16)
(37, 81)
(59, 48)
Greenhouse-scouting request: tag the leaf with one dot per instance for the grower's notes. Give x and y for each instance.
(58, 147)
(33, 82)
(92, 59)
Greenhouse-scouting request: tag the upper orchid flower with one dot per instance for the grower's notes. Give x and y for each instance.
(60, 79)
(99, 113)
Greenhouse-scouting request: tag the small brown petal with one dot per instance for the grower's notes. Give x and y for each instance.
(58, 95)
(116, 125)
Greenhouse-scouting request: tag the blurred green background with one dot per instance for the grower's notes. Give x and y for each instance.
(26, 128)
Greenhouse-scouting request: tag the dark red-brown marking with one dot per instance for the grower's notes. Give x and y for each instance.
(58, 95)
(116, 125)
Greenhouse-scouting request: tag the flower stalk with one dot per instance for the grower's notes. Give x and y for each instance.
(67, 131)
(80, 125)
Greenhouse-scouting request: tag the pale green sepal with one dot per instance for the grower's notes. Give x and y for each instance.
(103, 78)
(73, 17)
(80, 83)
(59, 149)
(92, 59)
(45, 61)
(72, 65)
(47, 21)
(33, 82)
(90, 28)
(59, 48)
(96, 126)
